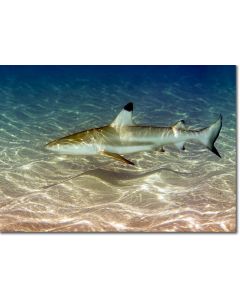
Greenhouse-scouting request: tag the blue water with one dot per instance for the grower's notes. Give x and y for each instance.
(172, 191)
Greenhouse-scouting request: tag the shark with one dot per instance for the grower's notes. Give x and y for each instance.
(123, 137)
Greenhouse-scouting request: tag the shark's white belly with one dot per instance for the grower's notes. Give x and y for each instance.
(128, 149)
(94, 149)
(76, 149)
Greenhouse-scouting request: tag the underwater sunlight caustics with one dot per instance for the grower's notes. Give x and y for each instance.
(118, 149)
(122, 137)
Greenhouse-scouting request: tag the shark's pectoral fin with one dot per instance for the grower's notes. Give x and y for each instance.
(117, 157)
(180, 146)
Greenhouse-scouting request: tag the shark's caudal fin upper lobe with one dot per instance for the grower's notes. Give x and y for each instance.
(209, 135)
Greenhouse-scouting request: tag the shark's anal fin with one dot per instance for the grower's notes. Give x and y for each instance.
(117, 157)
(180, 146)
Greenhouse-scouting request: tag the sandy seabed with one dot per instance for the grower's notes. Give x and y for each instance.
(190, 191)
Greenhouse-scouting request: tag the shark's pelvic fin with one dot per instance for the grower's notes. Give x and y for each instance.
(124, 118)
(179, 125)
(117, 157)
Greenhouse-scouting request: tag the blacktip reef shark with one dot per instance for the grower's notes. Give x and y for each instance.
(123, 137)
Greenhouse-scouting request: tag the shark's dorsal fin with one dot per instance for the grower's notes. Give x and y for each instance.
(124, 118)
(179, 125)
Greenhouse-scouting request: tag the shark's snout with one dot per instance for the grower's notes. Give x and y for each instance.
(51, 146)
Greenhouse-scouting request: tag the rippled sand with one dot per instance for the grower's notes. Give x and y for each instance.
(190, 191)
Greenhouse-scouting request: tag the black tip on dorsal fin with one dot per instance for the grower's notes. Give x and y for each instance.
(129, 106)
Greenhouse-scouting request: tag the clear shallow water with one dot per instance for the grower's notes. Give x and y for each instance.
(172, 191)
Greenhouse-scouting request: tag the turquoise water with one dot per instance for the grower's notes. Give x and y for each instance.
(173, 191)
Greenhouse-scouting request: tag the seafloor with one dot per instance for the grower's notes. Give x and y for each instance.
(190, 191)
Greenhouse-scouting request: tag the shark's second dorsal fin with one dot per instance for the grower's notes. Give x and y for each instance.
(124, 118)
(179, 125)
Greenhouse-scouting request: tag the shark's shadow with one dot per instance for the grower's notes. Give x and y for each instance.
(119, 178)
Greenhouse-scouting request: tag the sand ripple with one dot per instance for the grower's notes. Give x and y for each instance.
(192, 191)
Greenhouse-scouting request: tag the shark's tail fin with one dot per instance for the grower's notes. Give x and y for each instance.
(209, 135)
